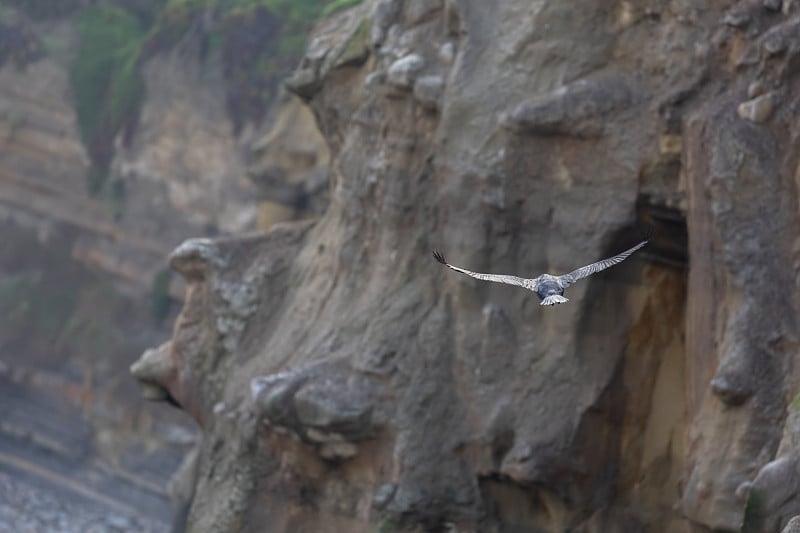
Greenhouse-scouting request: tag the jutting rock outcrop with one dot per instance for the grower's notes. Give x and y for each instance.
(345, 382)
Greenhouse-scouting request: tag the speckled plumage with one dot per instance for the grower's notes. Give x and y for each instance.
(549, 289)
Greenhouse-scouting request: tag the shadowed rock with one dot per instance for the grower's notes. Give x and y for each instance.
(329, 407)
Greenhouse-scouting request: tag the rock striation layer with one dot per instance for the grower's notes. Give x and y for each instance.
(83, 284)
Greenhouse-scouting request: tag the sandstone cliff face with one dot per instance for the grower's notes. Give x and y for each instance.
(345, 382)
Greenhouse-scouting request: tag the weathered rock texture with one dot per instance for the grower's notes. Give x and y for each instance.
(345, 382)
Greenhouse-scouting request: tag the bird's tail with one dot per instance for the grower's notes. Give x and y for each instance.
(553, 300)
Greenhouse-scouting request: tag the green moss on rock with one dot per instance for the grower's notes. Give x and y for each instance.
(356, 50)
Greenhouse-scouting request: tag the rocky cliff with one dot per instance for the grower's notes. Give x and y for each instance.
(84, 287)
(343, 381)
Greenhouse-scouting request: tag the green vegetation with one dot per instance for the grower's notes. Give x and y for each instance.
(295, 18)
(106, 82)
(260, 41)
(338, 5)
(160, 301)
(754, 515)
(795, 403)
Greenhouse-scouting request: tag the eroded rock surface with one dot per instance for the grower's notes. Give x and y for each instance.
(345, 382)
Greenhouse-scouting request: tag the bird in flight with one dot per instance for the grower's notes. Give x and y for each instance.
(549, 289)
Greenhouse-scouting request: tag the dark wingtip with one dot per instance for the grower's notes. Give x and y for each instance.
(439, 257)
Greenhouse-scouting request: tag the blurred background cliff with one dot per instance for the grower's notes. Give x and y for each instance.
(126, 127)
(329, 375)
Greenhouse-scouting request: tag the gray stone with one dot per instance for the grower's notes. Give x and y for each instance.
(775, 44)
(374, 79)
(303, 82)
(274, 401)
(384, 495)
(730, 393)
(756, 88)
(743, 491)
(447, 53)
(324, 405)
(393, 48)
(778, 482)
(781, 40)
(737, 18)
(792, 526)
(337, 451)
(574, 109)
(403, 72)
(384, 14)
(428, 90)
(318, 436)
(152, 369)
(194, 257)
(758, 109)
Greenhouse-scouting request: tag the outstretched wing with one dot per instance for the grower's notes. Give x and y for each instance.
(568, 279)
(499, 278)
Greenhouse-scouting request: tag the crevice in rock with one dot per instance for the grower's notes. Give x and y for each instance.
(665, 227)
